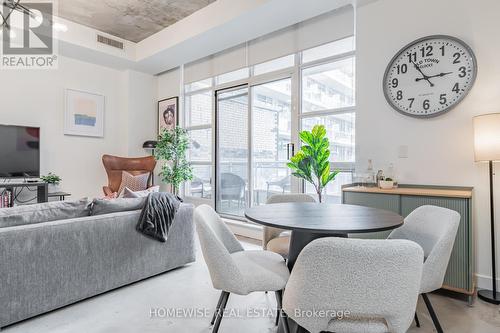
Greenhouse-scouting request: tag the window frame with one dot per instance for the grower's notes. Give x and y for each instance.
(295, 73)
(345, 167)
(210, 126)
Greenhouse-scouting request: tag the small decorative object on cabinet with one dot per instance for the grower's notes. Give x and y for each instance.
(430, 76)
(386, 183)
(406, 198)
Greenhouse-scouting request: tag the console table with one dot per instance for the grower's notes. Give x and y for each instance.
(42, 187)
(404, 199)
(61, 195)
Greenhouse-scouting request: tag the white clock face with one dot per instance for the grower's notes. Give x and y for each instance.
(430, 76)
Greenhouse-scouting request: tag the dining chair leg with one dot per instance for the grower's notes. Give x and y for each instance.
(217, 308)
(434, 317)
(220, 313)
(281, 314)
(417, 322)
(301, 329)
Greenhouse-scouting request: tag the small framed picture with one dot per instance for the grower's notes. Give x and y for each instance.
(84, 114)
(168, 114)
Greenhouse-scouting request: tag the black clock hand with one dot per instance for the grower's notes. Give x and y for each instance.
(437, 75)
(425, 77)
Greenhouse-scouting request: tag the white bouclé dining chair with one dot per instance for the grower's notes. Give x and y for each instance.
(355, 285)
(276, 239)
(434, 229)
(232, 269)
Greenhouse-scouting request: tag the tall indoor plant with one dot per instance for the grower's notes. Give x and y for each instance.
(312, 161)
(171, 149)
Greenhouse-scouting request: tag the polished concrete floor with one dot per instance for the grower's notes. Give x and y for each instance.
(143, 307)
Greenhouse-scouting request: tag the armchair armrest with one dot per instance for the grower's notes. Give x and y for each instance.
(107, 190)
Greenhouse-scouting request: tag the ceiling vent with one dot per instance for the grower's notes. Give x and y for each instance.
(110, 42)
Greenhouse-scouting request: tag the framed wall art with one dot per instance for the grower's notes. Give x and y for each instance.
(84, 114)
(168, 114)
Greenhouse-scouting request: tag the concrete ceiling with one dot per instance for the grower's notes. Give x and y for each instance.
(132, 20)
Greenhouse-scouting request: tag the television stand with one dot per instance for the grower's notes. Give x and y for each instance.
(13, 184)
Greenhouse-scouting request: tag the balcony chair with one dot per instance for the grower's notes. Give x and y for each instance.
(232, 188)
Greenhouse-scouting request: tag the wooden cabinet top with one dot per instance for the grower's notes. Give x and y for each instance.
(449, 192)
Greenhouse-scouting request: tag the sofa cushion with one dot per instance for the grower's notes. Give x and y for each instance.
(44, 212)
(108, 206)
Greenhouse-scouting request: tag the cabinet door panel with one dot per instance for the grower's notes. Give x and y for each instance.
(381, 201)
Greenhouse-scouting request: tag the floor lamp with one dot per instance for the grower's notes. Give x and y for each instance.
(487, 149)
(151, 145)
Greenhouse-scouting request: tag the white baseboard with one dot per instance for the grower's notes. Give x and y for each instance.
(484, 281)
(244, 229)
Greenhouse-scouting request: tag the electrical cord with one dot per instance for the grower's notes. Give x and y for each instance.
(16, 199)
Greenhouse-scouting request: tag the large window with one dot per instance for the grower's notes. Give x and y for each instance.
(198, 122)
(257, 121)
(328, 98)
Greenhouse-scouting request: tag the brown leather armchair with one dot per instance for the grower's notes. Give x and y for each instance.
(114, 166)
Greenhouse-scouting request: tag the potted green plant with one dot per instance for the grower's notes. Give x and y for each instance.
(311, 162)
(171, 150)
(53, 180)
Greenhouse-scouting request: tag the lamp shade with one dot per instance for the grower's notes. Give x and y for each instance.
(149, 144)
(487, 137)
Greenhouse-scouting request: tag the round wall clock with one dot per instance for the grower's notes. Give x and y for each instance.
(430, 76)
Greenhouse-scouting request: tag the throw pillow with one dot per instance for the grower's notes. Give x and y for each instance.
(103, 206)
(135, 183)
(43, 212)
(128, 193)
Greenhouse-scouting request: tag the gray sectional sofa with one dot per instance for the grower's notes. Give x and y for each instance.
(47, 265)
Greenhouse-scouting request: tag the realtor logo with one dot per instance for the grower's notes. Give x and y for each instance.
(27, 35)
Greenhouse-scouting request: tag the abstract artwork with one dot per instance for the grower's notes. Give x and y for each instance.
(167, 114)
(84, 114)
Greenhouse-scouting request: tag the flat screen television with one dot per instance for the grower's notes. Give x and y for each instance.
(19, 151)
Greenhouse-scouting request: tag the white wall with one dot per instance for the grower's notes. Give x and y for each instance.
(36, 98)
(169, 84)
(142, 110)
(440, 149)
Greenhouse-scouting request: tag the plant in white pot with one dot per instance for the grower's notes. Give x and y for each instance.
(312, 162)
(53, 180)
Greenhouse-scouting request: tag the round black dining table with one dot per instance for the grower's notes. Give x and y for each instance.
(309, 221)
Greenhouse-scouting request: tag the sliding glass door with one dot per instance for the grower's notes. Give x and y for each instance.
(248, 170)
(232, 152)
